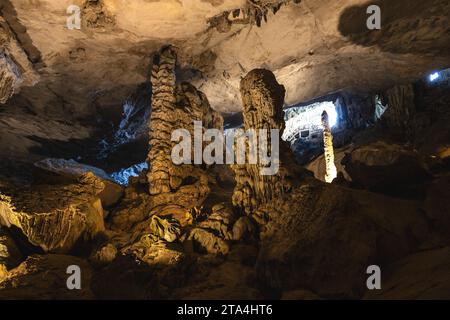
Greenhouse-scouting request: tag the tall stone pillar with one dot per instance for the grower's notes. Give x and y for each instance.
(330, 172)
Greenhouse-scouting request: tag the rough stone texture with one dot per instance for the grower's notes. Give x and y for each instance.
(10, 77)
(103, 255)
(401, 107)
(155, 252)
(166, 229)
(71, 169)
(379, 165)
(316, 239)
(162, 120)
(148, 271)
(385, 167)
(15, 68)
(332, 33)
(252, 12)
(108, 58)
(262, 99)
(55, 217)
(421, 276)
(175, 107)
(10, 255)
(43, 277)
(206, 241)
(323, 237)
(218, 278)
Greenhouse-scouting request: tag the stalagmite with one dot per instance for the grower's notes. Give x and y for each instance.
(262, 99)
(161, 120)
(331, 171)
(175, 107)
(401, 107)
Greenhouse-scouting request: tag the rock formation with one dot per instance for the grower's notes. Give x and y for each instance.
(55, 217)
(45, 277)
(331, 171)
(262, 99)
(400, 107)
(262, 227)
(10, 255)
(162, 121)
(323, 237)
(253, 12)
(175, 107)
(15, 68)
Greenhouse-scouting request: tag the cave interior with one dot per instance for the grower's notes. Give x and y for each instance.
(87, 177)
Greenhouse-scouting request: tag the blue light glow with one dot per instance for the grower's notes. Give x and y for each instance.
(434, 76)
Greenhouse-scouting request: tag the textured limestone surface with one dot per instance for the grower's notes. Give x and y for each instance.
(55, 217)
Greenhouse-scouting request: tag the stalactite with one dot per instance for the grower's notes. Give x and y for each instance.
(331, 171)
(253, 12)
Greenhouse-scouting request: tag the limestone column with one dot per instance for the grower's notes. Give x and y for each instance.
(161, 120)
(331, 171)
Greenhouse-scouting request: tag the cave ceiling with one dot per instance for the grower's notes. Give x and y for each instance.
(314, 47)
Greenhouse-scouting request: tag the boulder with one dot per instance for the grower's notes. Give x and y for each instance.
(71, 169)
(386, 168)
(103, 255)
(167, 229)
(44, 277)
(147, 269)
(55, 217)
(378, 166)
(205, 241)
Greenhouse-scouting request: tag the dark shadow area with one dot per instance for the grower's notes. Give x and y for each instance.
(70, 149)
(23, 243)
(407, 26)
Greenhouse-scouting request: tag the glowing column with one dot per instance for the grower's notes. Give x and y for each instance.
(330, 167)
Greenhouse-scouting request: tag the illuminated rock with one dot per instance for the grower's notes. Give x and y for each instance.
(10, 78)
(175, 107)
(10, 255)
(161, 121)
(72, 169)
(55, 217)
(15, 68)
